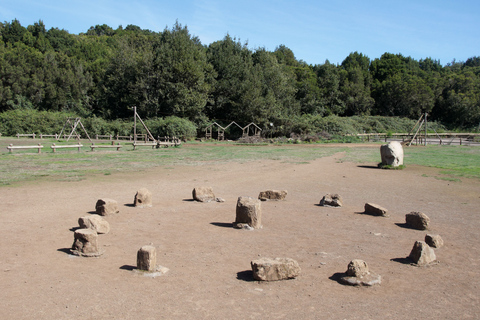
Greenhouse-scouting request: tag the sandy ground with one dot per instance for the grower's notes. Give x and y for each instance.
(209, 273)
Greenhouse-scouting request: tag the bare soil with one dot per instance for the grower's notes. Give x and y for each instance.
(209, 273)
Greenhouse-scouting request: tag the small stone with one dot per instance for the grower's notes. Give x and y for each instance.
(357, 268)
(143, 198)
(358, 274)
(105, 207)
(272, 195)
(147, 258)
(375, 210)
(94, 222)
(417, 220)
(219, 199)
(422, 254)
(267, 269)
(331, 200)
(248, 211)
(434, 240)
(203, 194)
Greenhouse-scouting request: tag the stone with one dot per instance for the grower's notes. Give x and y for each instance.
(85, 243)
(331, 200)
(267, 269)
(203, 194)
(434, 240)
(147, 258)
(358, 274)
(357, 268)
(417, 220)
(392, 154)
(422, 254)
(94, 222)
(272, 195)
(143, 198)
(375, 210)
(248, 212)
(105, 207)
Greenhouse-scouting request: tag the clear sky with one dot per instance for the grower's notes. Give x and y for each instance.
(314, 30)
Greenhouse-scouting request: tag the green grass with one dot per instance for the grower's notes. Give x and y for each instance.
(69, 165)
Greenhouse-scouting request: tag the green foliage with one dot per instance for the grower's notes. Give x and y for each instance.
(31, 121)
(172, 127)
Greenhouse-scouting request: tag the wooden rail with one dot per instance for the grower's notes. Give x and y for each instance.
(117, 146)
(11, 147)
(54, 147)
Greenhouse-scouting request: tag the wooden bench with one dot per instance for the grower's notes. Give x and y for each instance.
(54, 146)
(26, 135)
(145, 144)
(11, 147)
(118, 146)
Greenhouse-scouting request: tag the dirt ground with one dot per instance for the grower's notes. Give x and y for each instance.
(209, 273)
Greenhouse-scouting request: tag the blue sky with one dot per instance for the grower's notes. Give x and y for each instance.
(313, 30)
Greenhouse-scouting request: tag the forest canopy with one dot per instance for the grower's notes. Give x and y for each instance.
(104, 72)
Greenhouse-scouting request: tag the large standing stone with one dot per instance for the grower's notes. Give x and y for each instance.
(422, 254)
(417, 220)
(143, 198)
(94, 222)
(147, 258)
(434, 240)
(272, 195)
(267, 269)
(248, 213)
(392, 154)
(85, 243)
(331, 200)
(375, 210)
(105, 207)
(203, 194)
(358, 274)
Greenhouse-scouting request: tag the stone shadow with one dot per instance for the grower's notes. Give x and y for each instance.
(222, 224)
(246, 275)
(406, 226)
(128, 267)
(405, 260)
(337, 277)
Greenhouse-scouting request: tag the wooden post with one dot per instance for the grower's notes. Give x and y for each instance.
(53, 145)
(39, 149)
(426, 128)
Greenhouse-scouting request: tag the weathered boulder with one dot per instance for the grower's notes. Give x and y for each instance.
(272, 195)
(248, 212)
(434, 240)
(85, 243)
(147, 258)
(422, 254)
(143, 198)
(375, 210)
(417, 220)
(105, 207)
(331, 200)
(267, 269)
(94, 222)
(392, 154)
(203, 194)
(358, 274)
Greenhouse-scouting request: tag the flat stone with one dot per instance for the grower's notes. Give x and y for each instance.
(105, 207)
(331, 200)
(203, 194)
(267, 269)
(375, 210)
(272, 195)
(94, 222)
(434, 240)
(367, 280)
(417, 220)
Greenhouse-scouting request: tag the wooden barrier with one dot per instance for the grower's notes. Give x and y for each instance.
(25, 135)
(48, 136)
(54, 147)
(118, 146)
(145, 144)
(11, 147)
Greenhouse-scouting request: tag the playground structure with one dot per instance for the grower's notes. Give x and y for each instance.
(77, 121)
(251, 127)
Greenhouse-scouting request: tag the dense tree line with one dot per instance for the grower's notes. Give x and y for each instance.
(104, 72)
